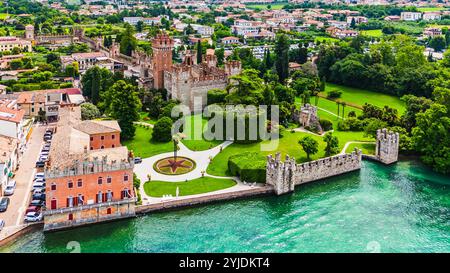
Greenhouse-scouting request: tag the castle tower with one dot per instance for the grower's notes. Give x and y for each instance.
(210, 58)
(162, 46)
(233, 68)
(114, 51)
(29, 32)
(386, 150)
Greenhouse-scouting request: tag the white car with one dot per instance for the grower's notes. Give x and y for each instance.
(12, 183)
(9, 190)
(40, 175)
(38, 185)
(2, 224)
(33, 216)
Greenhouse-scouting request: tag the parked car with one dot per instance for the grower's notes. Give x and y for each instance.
(9, 190)
(12, 183)
(137, 160)
(39, 190)
(39, 175)
(4, 203)
(40, 164)
(32, 209)
(39, 180)
(38, 186)
(43, 158)
(2, 224)
(37, 203)
(47, 138)
(33, 216)
(39, 196)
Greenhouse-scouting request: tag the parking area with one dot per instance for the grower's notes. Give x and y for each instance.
(19, 201)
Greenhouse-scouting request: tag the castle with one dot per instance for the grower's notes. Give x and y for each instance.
(186, 82)
(284, 176)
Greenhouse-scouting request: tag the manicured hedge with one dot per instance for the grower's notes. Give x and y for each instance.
(326, 124)
(250, 167)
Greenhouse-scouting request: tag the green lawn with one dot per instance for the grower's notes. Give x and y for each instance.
(3, 16)
(288, 144)
(142, 146)
(423, 9)
(195, 186)
(194, 139)
(372, 33)
(145, 118)
(325, 39)
(357, 97)
(367, 148)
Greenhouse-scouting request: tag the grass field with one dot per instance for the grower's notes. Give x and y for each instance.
(145, 118)
(357, 97)
(276, 6)
(366, 148)
(288, 144)
(142, 146)
(3, 16)
(325, 39)
(194, 134)
(372, 33)
(423, 9)
(195, 186)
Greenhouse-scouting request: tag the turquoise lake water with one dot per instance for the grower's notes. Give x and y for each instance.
(400, 208)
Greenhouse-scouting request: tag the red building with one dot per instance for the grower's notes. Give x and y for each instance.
(89, 175)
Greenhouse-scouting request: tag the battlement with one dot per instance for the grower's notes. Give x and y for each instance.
(85, 167)
(387, 146)
(284, 176)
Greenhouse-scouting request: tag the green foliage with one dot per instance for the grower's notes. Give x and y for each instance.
(251, 167)
(334, 94)
(89, 111)
(282, 57)
(309, 145)
(373, 125)
(216, 96)
(162, 131)
(350, 124)
(332, 142)
(95, 82)
(326, 124)
(128, 42)
(122, 103)
(245, 88)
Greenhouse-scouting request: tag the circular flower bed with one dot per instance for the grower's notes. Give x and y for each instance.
(170, 166)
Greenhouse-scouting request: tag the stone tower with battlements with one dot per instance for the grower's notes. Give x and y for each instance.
(386, 150)
(162, 46)
(29, 32)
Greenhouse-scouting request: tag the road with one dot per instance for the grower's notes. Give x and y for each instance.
(24, 178)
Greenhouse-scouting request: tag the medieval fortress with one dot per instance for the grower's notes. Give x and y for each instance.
(284, 176)
(187, 81)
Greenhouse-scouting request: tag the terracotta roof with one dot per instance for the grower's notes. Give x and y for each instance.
(93, 127)
(9, 114)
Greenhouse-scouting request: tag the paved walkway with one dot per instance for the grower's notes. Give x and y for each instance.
(143, 123)
(351, 142)
(13, 216)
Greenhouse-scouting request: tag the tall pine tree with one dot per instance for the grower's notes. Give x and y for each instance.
(282, 57)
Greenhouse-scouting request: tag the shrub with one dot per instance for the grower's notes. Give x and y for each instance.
(216, 96)
(250, 167)
(350, 124)
(334, 94)
(326, 124)
(162, 132)
(89, 111)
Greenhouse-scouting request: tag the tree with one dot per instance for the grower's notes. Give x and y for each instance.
(51, 57)
(438, 43)
(139, 26)
(89, 111)
(162, 131)
(245, 88)
(332, 142)
(282, 57)
(220, 54)
(95, 82)
(122, 103)
(128, 42)
(199, 52)
(309, 145)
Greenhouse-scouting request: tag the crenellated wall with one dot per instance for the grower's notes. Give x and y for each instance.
(284, 176)
(386, 150)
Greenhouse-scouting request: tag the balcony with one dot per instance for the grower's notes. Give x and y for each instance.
(91, 206)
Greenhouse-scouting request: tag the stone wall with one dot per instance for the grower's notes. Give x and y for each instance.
(284, 176)
(386, 150)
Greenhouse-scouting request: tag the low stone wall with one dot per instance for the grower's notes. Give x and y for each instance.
(187, 202)
(9, 238)
(284, 176)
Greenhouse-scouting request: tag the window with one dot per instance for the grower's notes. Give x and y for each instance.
(53, 204)
(92, 138)
(109, 196)
(53, 187)
(109, 179)
(80, 183)
(99, 197)
(125, 178)
(80, 199)
(100, 180)
(102, 147)
(114, 146)
(70, 217)
(70, 184)
(92, 148)
(108, 211)
(125, 194)
(102, 137)
(113, 137)
(70, 202)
